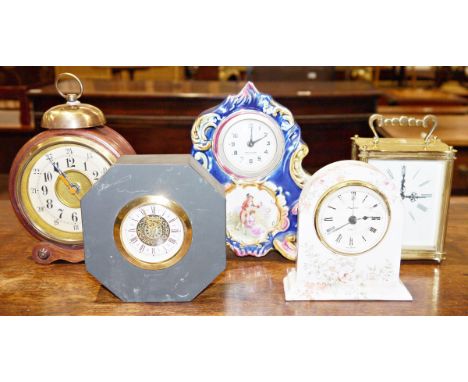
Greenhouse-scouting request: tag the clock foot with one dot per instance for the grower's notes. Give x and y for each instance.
(47, 253)
(286, 246)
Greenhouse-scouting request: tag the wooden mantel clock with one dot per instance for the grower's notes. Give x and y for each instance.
(55, 169)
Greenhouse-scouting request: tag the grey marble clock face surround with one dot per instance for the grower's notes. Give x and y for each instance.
(181, 179)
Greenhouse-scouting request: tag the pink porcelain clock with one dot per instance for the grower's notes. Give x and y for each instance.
(349, 237)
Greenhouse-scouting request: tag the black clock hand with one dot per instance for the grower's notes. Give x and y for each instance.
(257, 140)
(57, 169)
(337, 229)
(402, 188)
(250, 143)
(413, 196)
(352, 220)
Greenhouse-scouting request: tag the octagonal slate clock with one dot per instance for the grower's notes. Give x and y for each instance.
(154, 228)
(252, 145)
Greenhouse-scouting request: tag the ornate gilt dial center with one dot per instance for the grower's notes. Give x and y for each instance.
(71, 187)
(153, 230)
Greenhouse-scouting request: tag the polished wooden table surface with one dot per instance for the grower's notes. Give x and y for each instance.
(248, 286)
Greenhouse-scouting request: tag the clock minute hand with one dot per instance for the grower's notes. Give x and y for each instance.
(62, 174)
(337, 229)
(403, 181)
(413, 196)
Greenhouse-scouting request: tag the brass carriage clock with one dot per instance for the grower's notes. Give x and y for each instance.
(55, 169)
(421, 169)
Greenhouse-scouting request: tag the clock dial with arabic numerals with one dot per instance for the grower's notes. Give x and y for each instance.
(53, 182)
(249, 145)
(420, 184)
(352, 218)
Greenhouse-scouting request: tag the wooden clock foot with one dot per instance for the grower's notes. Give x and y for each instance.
(47, 253)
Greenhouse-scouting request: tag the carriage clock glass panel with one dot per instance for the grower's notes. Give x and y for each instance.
(52, 183)
(352, 218)
(153, 232)
(421, 169)
(421, 187)
(249, 145)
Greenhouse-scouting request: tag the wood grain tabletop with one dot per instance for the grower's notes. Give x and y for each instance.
(249, 286)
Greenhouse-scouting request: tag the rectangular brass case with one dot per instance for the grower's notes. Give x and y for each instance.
(364, 149)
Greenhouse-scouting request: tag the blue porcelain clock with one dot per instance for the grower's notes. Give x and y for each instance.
(252, 145)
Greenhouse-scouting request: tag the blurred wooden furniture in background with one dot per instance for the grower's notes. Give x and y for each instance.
(290, 73)
(156, 117)
(15, 81)
(422, 97)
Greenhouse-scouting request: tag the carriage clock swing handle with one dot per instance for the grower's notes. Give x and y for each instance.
(429, 121)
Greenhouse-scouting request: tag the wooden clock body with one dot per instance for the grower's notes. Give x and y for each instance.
(110, 144)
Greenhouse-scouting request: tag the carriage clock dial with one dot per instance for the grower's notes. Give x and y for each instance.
(153, 232)
(53, 181)
(249, 145)
(420, 184)
(352, 218)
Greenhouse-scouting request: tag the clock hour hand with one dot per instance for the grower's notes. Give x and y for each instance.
(413, 196)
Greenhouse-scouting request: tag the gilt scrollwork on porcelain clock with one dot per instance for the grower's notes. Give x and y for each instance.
(252, 145)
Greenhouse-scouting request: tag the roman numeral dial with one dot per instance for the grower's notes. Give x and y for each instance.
(421, 185)
(152, 233)
(352, 218)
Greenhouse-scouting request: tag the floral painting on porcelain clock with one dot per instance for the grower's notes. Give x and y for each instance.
(349, 237)
(253, 146)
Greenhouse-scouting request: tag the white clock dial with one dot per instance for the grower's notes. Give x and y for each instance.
(420, 183)
(249, 145)
(57, 178)
(152, 233)
(352, 219)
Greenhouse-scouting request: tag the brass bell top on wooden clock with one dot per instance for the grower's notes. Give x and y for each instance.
(56, 168)
(73, 114)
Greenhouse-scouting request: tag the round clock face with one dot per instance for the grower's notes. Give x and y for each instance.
(249, 145)
(52, 181)
(352, 218)
(153, 232)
